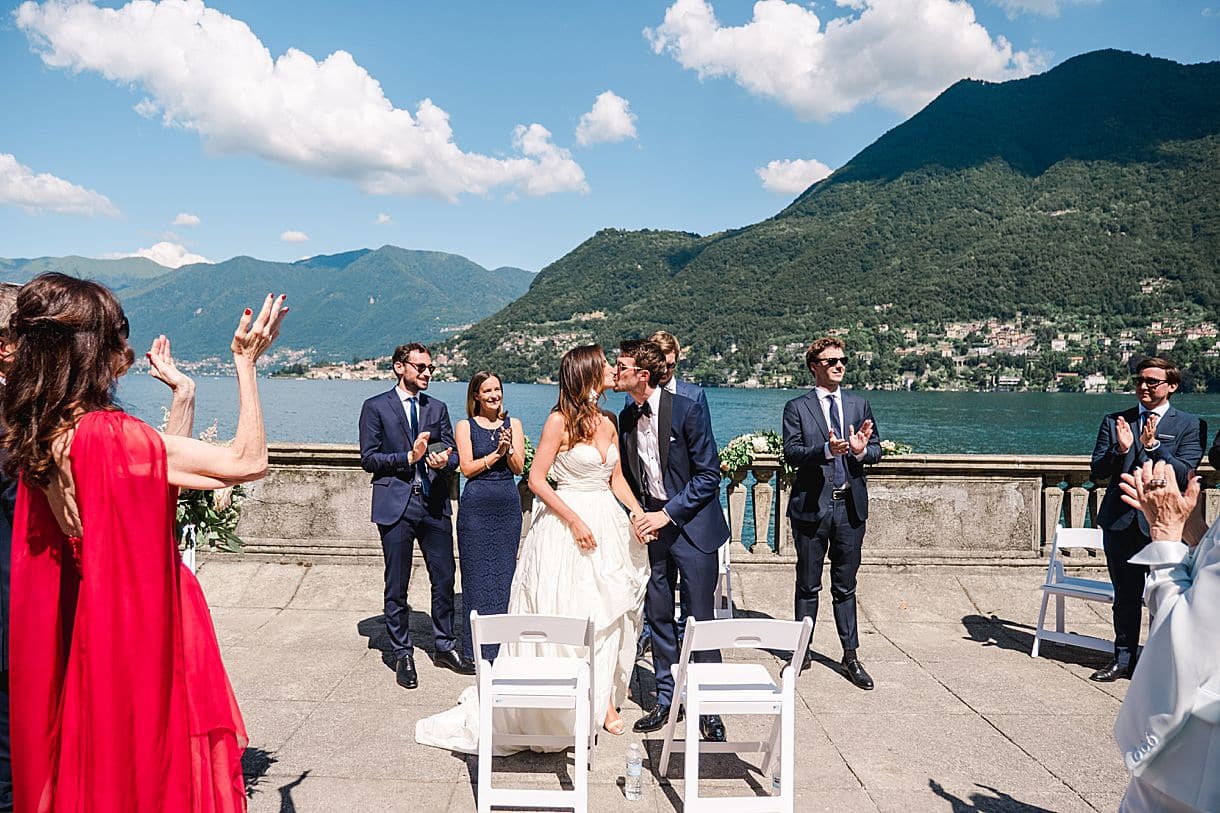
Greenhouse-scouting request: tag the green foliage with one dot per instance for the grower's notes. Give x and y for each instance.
(975, 208)
(213, 515)
(740, 452)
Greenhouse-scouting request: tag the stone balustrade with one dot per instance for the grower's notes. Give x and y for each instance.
(946, 509)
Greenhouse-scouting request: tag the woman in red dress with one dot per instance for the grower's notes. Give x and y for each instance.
(119, 698)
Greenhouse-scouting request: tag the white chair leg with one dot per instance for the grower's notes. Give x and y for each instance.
(485, 746)
(692, 749)
(787, 748)
(671, 728)
(1046, 597)
(581, 736)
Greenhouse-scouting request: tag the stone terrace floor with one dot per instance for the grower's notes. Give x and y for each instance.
(962, 718)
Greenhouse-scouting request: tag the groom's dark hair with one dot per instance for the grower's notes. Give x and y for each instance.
(647, 355)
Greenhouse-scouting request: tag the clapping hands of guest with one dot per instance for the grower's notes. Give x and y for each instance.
(505, 444)
(1171, 514)
(1148, 436)
(858, 441)
(838, 446)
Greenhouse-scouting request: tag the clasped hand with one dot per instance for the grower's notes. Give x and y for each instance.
(1126, 435)
(648, 524)
(505, 443)
(419, 451)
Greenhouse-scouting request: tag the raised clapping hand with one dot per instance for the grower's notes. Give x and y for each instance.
(419, 449)
(505, 444)
(837, 444)
(858, 441)
(163, 368)
(1148, 436)
(255, 334)
(438, 459)
(1153, 489)
(1123, 433)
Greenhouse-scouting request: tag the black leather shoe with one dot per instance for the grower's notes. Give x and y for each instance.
(654, 720)
(711, 727)
(453, 661)
(404, 673)
(1112, 672)
(856, 674)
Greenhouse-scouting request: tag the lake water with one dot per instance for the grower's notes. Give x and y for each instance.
(931, 422)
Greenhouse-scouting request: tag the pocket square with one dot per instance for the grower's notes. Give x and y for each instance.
(1159, 436)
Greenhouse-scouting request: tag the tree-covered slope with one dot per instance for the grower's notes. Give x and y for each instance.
(1091, 192)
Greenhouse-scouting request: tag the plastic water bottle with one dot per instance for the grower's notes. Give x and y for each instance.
(776, 787)
(633, 777)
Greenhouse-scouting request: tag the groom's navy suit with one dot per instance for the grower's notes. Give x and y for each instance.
(690, 468)
(410, 502)
(1181, 436)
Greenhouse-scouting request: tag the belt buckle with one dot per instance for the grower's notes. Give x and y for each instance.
(838, 493)
(416, 488)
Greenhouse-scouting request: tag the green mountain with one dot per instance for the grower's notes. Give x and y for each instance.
(1088, 195)
(114, 274)
(359, 303)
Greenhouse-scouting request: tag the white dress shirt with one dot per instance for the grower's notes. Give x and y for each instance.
(649, 448)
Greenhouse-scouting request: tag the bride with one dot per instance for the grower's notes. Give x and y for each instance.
(580, 557)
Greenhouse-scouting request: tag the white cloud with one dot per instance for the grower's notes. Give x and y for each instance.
(186, 219)
(897, 53)
(170, 255)
(208, 72)
(383, 219)
(791, 177)
(610, 119)
(294, 237)
(44, 192)
(1044, 8)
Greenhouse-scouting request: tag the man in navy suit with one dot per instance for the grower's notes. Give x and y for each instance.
(411, 502)
(676, 386)
(829, 437)
(670, 461)
(1154, 431)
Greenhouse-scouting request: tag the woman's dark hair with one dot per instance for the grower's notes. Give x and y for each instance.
(71, 347)
(580, 381)
(472, 392)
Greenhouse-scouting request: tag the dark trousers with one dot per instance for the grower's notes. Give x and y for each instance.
(1128, 581)
(839, 534)
(435, 535)
(6, 756)
(670, 555)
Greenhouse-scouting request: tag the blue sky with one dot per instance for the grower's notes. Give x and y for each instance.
(285, 129)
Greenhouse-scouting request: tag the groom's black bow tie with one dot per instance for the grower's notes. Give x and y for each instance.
(644, 409)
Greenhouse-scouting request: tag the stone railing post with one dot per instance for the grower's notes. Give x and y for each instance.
(784, 545)
(1077, 502)
(737, 505)
(1052, 506)
(764, 493)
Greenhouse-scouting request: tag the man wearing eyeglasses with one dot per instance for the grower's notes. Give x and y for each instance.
(1151, 431)
(411, 502)
(830, 436)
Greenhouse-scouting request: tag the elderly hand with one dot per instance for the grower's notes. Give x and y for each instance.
(162, 367)
(1153, 489)
(255, 334)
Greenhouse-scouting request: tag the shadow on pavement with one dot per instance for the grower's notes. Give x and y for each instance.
(998, 802)
(255, 762)
(995, 631)
(286, 803)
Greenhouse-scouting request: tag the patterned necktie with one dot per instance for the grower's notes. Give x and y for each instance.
(840, 475)
(420, 467)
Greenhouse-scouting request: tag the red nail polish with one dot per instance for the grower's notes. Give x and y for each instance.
(248, 311)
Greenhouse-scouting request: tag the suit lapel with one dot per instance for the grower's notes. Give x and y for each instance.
(631, 447)
(665, 422)
(814, 407)
(400, 412)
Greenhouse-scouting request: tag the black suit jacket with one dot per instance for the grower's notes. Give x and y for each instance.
(385, 440)
(1181, 437)
(805, 437)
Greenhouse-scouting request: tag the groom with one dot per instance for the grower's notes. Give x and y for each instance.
(670, 461)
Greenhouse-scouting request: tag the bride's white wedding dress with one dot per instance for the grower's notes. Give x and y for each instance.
(555, 577)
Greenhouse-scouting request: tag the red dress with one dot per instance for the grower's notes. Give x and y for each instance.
(119, 698)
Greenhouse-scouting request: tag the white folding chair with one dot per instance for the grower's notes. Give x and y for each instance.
(534, 682)
(738, 688)
(722, 605)
(1062, 587)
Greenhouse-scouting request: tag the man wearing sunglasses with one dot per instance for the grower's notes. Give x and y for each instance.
(406, 443)
(1153, 431)
(830, 436)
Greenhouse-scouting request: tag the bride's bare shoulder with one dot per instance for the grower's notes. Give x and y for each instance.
(610, 418)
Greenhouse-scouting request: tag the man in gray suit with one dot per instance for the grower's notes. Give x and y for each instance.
(829, 436)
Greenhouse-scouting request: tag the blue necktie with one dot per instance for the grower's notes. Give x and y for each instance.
(420, 467)
(840, 475)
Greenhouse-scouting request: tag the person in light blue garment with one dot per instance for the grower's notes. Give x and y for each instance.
(1168, 727)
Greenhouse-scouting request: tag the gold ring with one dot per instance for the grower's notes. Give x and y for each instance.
(1157, 482)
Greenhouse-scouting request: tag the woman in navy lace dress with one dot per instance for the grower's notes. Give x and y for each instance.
(491, 450)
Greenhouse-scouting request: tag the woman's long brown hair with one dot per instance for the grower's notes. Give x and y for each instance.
(580, 376)
(70, 350)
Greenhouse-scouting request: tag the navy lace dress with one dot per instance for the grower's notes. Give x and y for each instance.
(488, 532)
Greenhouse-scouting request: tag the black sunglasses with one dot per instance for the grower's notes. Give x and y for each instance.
(124, 327)
(421, 368)
(836, 361)
(1150, 383)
